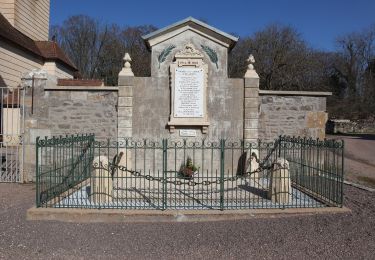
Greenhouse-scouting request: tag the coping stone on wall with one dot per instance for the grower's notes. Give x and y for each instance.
(295, 93)
(81, 88)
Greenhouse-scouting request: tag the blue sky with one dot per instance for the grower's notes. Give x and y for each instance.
(319, 21)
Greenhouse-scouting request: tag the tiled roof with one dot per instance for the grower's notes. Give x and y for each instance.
(8, 32)
(43, 49)
(51, 51)
(80, 82)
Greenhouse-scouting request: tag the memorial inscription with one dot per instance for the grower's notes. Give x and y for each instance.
(188, 133)
(189, 83)
(188, 90)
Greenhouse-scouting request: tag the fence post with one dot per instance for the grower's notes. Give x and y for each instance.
(72, 159)
(342, 174)
(303, 158)
(37, 199)
(222, 147)
(165, 174)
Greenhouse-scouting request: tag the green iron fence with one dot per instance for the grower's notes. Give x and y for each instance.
(62, 164)
(317, 167)
(79, 172)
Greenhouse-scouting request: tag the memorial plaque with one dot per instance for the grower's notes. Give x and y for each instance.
(188, 133)
(188, 98)
(188, 91)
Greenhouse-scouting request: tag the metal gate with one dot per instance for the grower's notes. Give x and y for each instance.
(11, 133)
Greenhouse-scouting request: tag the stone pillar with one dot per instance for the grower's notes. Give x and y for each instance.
(125, 109)
(280, 189)
(251, 103)
(102, 184)
(33, 83)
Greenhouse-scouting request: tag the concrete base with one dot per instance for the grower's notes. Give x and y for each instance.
(136, 216)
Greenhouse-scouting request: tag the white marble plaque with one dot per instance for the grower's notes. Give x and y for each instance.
(188, 133)
(188, 97)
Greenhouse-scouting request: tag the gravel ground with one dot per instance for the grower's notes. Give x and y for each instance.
(336, 236)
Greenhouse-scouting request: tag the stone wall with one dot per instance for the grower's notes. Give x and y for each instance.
(292, 115)
(345, 126)
(66, 112)
(77, 112)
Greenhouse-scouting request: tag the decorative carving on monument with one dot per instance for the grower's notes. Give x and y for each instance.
(188, 90)
(164, 54)
(211, 54)
(189, 51)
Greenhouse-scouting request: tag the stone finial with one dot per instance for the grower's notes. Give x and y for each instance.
(127, 60)
(126, 70)
(250, 61)
(251, 73)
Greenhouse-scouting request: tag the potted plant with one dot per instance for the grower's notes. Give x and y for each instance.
(189, 170)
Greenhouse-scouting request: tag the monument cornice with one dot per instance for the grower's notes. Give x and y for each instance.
(194, 25)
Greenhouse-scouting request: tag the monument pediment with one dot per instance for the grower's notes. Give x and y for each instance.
(192, 24)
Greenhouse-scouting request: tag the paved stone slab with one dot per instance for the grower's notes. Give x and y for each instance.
(110, 215)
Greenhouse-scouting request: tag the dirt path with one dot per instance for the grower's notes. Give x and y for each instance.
(359, 158)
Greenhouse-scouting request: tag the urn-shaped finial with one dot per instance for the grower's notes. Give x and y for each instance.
(126, 70)
(250, 72)
(250, 61)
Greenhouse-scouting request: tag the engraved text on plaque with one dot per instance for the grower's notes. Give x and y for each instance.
(188, 99)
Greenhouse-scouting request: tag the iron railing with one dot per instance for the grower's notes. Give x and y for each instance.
(62, 164)
(188, 174)
(317, 167)
(11, 134)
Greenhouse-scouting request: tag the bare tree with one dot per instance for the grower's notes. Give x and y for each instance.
(237, 64)
(356, 50)
(133, 43)
(283, 60)
(353, 74)
(97, 49)
(83, 38)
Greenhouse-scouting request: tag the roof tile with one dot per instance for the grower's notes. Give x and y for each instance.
(80, 82)
(42, 49)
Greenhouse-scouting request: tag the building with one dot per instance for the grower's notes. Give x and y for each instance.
(24, 44)
(24, 49)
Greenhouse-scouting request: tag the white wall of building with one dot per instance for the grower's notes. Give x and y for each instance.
(31, 17)
(15, 62)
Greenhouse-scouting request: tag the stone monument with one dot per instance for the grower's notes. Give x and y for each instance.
(189, 94)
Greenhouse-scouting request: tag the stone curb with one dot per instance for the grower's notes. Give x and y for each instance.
(359, 186)
(136, 216)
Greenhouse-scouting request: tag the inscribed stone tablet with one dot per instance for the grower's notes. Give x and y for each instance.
(188, 133)
(188, 98)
